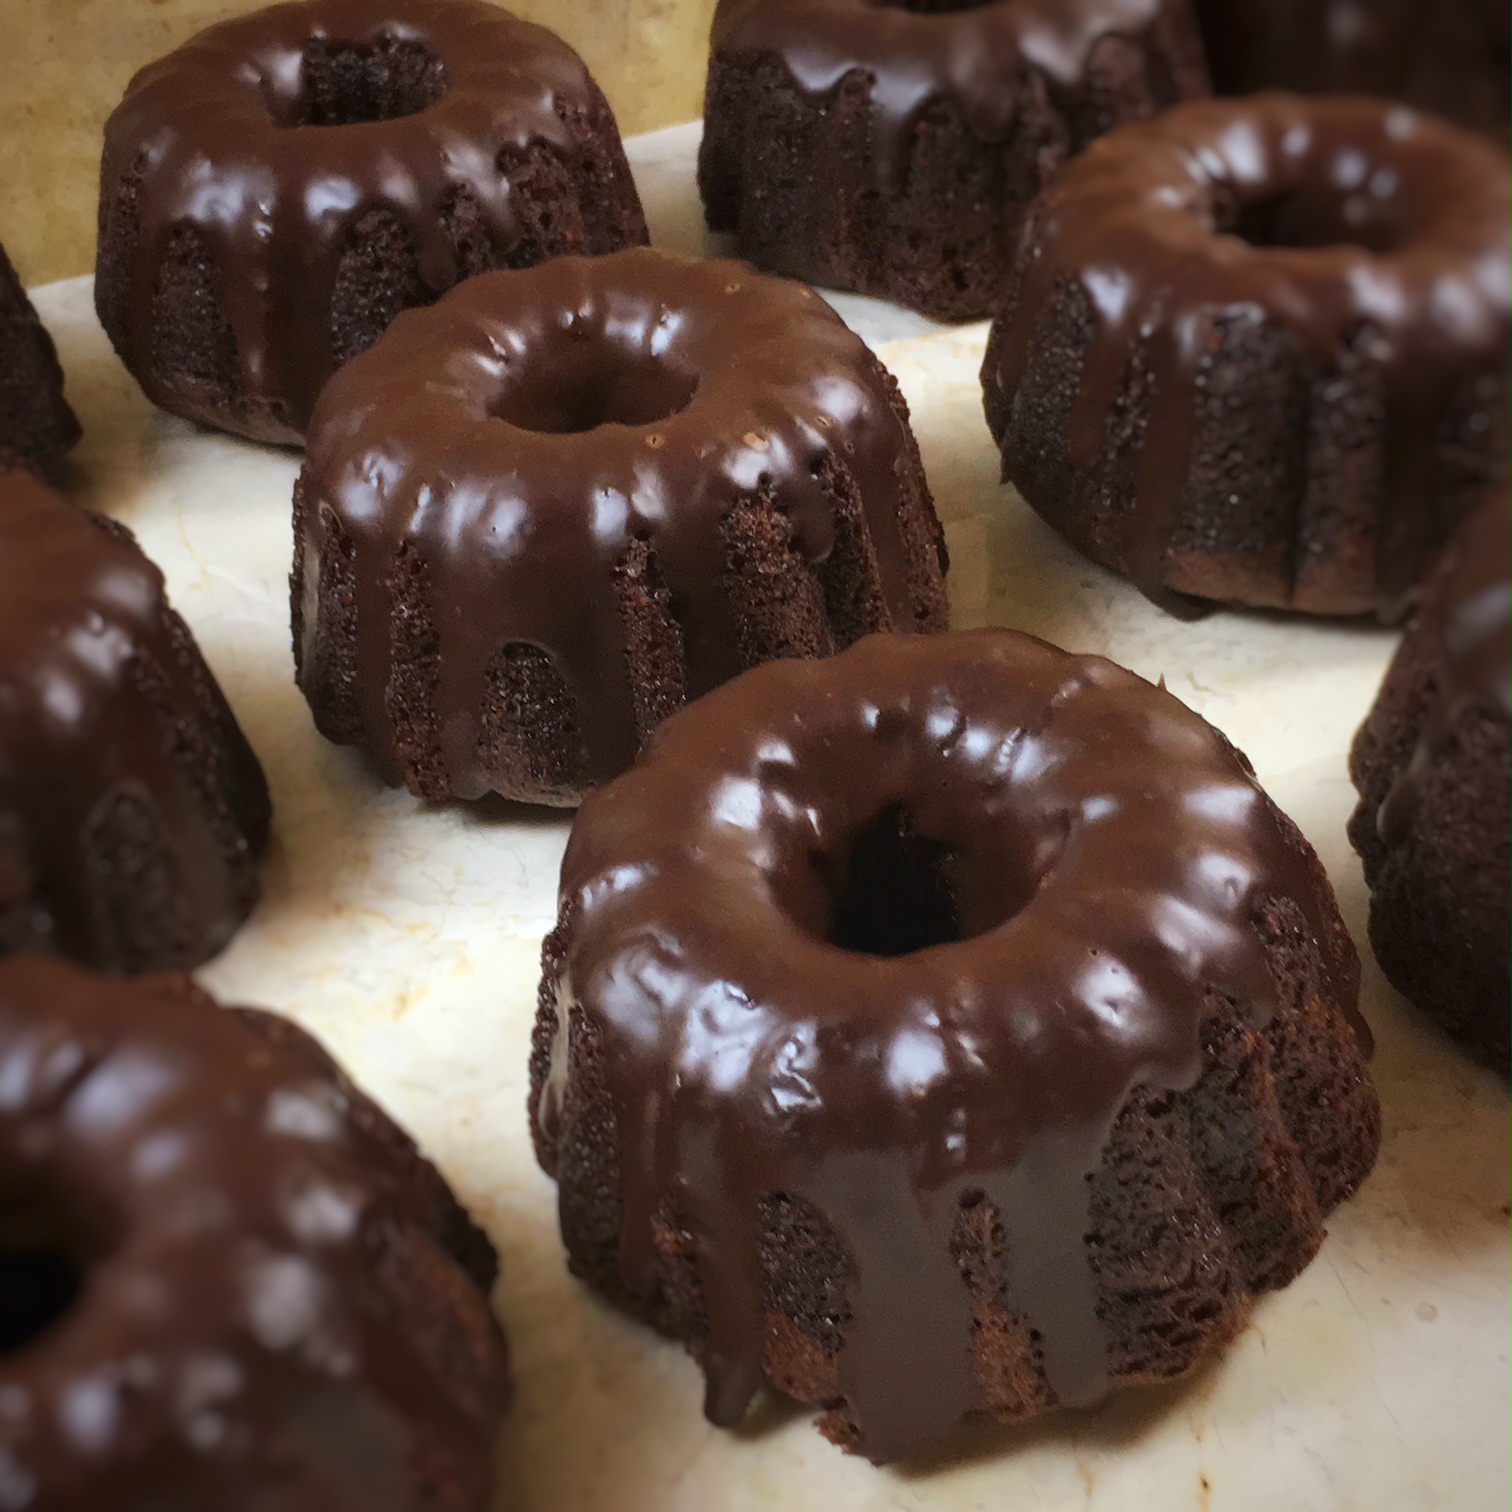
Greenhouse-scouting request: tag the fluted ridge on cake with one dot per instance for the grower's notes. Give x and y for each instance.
(338, 1275)
(37, 427)
(457, 138)
(1191, 380)
(1433, 771)
(130, 829)
(1206, 1200)
(810, 160)
(1449, 59)
(519, 602)
(899, 1045)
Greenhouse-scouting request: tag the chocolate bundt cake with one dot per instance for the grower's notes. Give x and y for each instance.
(892, 147)
(1255, 351)
(131, 808)
(278, 189)
(1452, 57)
(1432, 769)
(227, 1280)
(536, 518)
(952, 1026)
(37, 427)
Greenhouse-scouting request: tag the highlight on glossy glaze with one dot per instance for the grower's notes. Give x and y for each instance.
(509, 470)
(229, 1281)
(892, 147)
(1109, 857)
(1359, 228)
(974, 55)
(1432, 764)
(131, 808)
(223, 140)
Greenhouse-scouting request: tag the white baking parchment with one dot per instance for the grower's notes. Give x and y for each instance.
(406, 937)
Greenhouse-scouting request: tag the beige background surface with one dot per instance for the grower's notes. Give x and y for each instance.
(64, 63)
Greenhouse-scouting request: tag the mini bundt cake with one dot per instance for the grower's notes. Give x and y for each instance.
(227, 1280)
(1432, 769)
(539, 516)
(892, 147)
(132, 809)
(952, 1026)
(1452, 57)
(1255, 351)
(277, 190)
(37, 427)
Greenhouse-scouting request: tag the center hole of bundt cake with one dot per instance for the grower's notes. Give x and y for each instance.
(894, 892)
(344, 84)
(580, 390)
(1329, 219)
(40, 1276)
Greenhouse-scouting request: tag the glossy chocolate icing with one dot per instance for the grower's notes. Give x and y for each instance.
(214, 131)
(521, 435)
(1109, 855)
(1418, 50)
(1472, 601)
(97, 692)
(1399, 227)
(241, 1219)
(974, 56)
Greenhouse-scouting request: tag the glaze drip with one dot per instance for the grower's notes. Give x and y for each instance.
(1472, 588)
(973, 56)
(1144, 225)
(1450, 59)
(459, 447)
(283, 1305)
(100, 693)
(231, 136)
(748, 1056)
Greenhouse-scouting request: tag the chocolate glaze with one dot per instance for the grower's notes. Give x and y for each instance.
(1404, 234)
(1333, 46)
(975, 57)
(212, 131)
(1418, 50)
(522, 433)
(242, 1219)
(37, 427)
(1109, 855)
(96, 693)
(1472, 593)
